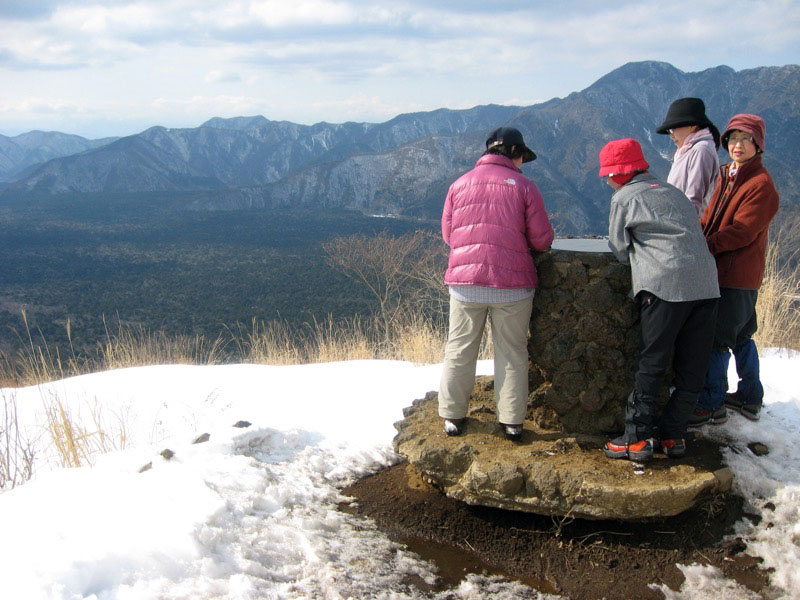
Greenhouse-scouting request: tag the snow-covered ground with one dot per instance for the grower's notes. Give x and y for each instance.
(251, 513)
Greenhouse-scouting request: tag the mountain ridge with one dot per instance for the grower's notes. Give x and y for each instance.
(405, 164)
(19, 154)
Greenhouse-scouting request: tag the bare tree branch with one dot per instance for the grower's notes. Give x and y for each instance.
(397, 271)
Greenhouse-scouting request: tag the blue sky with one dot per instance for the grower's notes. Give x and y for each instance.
(119, 66)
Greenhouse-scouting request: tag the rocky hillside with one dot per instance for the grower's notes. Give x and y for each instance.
(405, 165)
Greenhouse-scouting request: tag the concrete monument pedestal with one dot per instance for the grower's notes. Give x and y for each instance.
(584, 335)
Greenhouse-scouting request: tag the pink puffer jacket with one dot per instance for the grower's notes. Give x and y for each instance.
(492, 216)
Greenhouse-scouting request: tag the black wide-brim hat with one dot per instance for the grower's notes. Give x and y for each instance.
(508, 136)
(688, 111)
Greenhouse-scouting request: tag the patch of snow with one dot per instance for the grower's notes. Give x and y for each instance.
(252, 513)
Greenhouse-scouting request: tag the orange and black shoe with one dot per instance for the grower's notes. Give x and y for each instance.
(672, 447)
(639, 451)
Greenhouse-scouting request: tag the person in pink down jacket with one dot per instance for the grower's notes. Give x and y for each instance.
(493, 217)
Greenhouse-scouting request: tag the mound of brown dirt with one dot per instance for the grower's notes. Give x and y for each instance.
(572, 557)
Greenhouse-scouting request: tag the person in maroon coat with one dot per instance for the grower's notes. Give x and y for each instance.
(736, 223)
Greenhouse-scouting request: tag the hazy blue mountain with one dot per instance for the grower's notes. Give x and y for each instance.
(21, 152)
(406, 164)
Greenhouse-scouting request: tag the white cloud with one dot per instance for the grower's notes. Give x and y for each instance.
(220, 105)
(375, 107)
(217, 76)
(38, 106)
(278, 13)
(301, 58)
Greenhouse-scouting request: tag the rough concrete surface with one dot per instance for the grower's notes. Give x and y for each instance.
(583, 338)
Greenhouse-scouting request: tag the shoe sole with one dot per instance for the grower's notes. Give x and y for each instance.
(669, 452)
(615, 453)
(710, 421)
(635, 456)
(744, 413)
(640, 456)
(675, 454)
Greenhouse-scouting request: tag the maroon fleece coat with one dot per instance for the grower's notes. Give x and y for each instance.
(736, 222)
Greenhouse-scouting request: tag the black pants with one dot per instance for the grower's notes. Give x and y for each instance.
(684, 332)
(736, 319)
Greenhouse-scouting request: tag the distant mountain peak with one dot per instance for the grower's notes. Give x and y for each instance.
(237, 123)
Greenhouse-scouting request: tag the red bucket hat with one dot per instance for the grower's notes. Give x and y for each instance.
(621, 157)
(752, 124)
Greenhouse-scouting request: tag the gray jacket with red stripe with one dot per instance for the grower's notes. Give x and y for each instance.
(653, 228)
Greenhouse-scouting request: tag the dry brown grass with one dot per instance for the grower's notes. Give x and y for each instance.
(778, 304)
(266, 343)
(411, 338)
(332, 342)
(37, 363)
(76, 443)
(137, 346)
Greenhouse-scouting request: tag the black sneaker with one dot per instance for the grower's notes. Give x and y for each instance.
(454, 427)
(702, 416)
(751, 411)
(512, 432)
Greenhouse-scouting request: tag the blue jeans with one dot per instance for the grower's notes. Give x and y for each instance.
(749, 388)
(716, 386)
(736, 323)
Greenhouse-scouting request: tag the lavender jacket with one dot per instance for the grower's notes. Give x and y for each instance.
(695, 168)
(492, 216)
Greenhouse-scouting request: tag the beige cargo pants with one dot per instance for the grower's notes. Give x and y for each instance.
(509, 324)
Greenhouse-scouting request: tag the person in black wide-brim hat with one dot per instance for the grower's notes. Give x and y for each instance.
(695, 165)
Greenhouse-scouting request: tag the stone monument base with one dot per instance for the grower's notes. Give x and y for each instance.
(549, 472)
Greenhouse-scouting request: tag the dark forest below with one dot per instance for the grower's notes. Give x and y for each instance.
(96, 262)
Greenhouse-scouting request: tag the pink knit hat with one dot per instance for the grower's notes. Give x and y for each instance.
(622, 156)
(752, 124)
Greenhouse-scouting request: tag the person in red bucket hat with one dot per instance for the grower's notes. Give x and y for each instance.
(652, 228)
(736, 223)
